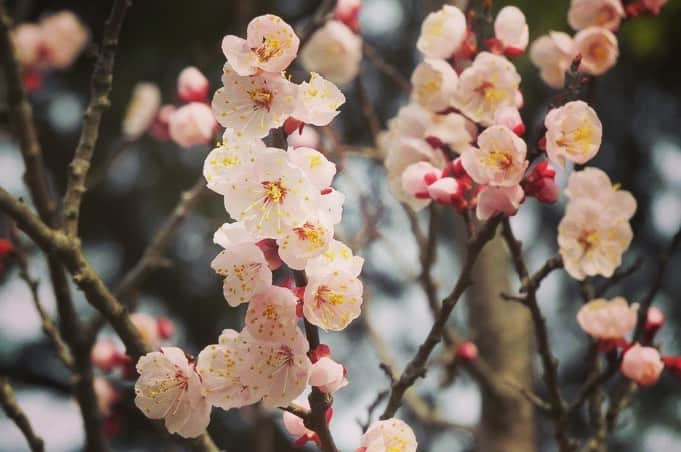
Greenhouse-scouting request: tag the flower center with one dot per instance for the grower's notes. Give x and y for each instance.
(310, 232)
(261, 97)
(325, 295)
(275, 192)
(271, 47)
(491, 94)
(588, 240)
(578, 140)
(499, 159)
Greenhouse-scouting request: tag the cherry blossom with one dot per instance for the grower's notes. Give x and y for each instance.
(598, 48)
(434, 83)
(510, 28)
(64, 38)
(387, 436)
(255, 104)
(510, 117)
(169, 388)
(273, 197)
(489, 84)
(500, 159)
(245, 272)
(333, 51)
(315, 165)
(442, 32)
(333, 299)
(318, 101)
(328, 375)
(142, 109)
(271, 315)
(281, 368)
(595, 185)
(192, 124)
(607, 319)
(192, 85)
(499, 200)
(219, 366)
(553, 54)
(573, 132)
(642, 365)
(304, 242)
(270, 45)
(595, 13)
(147, 327)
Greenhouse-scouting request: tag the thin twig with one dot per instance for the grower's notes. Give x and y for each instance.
(388, 69)
(14, 412)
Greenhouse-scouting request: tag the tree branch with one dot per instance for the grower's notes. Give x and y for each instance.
(386, 68)
(14, 412)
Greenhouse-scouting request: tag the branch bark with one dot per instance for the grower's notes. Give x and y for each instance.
(14, 412)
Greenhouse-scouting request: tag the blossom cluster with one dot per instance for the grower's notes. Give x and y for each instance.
(52, 43)
(595, 43)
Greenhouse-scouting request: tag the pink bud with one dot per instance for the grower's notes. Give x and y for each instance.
(347, 11)
(417, 177)
(328, 375)
(270, 249)
(458, 169)
(444, 190)
(654, 321)
(192, 85)
(654, 6)
(192, 124)
(159, 127)
(499, 200)
(510, 117)
(308, 137)
(673, 364)
(166, 327)
(467, 351)
(541, 183)
(104, 355)
(642, 365)
(322, 351)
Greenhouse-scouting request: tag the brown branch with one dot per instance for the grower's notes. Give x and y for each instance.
(14, 412)
(100, 87)
(386, 68)
(549, 364)
(417, 366)
(536, 279)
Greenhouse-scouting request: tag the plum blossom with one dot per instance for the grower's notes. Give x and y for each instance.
(642, 365)
(192, 85)
(510, 117)
(510, 28)
(442, 32)
(270, 46)
(245, 272)
(219, 366)
(541, 183)
(105, 355)
(333, 299)
(333, 51)
(499, 200)
(607, 319)
(598, 48)
(328, 375)
(142, 109)
(595, 13)
(553, 54)
(451, 129)
(192, 124)
(304, 242)
(315, 165)
(434, 83)
(347, 11)
(594, 184)
(318, 101)
(64, 38)
(654, 6)
(271, 315)
(444, 190)
(573, 132)
(387, 436)
(338, 257)
(272, 197)
(489, 84)
(28, 40)
(500, 159)
(169, 388)
(255, 104)
(308, 137)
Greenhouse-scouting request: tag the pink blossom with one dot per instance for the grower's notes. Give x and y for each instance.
(315, 165)
(318, 101)
(467, 351)
(510, 28)
(160, 124)
(245, 272)
(192, 124)
(654, 6)
(305, 242)
(444, 190)
(417, 177)
(332, 299)
(451, 129)
(105, 355)
(510, 117)
(500, 159)
(338, 257)
(388, 435)
(169, 388)
(489, 84)
(442, 32)
(192, 85)
(573, 132)
(541, 183)
(28, 41)
(499, 200)
(270, 45)
(307, 137)
(598, 48)
(107, 395)
(271, 315)
(146, 327)
(64, 38)
(603, 319)
(142, 109)
(347, 11)
(654, 320)
(434, 84)
(595, 13)
(333, 51)
(553, 54)
(328, 375)
(642, 365)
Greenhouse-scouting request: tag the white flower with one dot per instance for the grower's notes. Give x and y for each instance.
(511, 28)
(598, 48)
(599, 13)
(315, 165)
(333, 51)
(388, 436)
(490, 83)
(442, 32)
(332, 299)
(245, 271)
(271, 315)
(318, 101)
(64, 38)
(337, 257)
(500, 159)
(573, 132)
(607, 319)
(169, 388)
(255, 104)
(144, 103)
(594, 184)
(433, 84)
(304, 242)
(553, 54)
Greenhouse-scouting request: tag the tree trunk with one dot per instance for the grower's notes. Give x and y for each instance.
(503, 332)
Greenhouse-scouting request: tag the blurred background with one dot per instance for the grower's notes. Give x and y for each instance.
(639, 103)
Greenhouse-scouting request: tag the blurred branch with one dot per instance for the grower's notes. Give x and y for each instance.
(14, 412)
(373, 123)
(549, 363)
(386, 68)
(620, 275)
(321, 16)
(417, 365)
(100, 87)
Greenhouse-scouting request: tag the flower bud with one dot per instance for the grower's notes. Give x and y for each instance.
(417, 177)
(642, 365)
(328, 375)
(166, 327)
(541, 183)
(159, 127)
(444, 190)
(105, 355)
(192, 85)
(6, 248)
(654, 321)
(510, 29)
(510, 117)
(467, 351)
(192, 124)
(347, 11)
